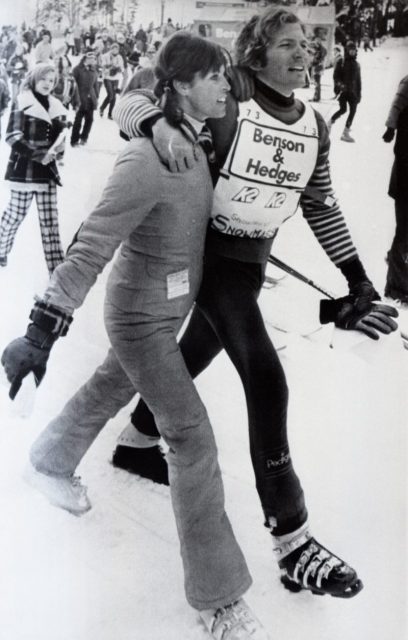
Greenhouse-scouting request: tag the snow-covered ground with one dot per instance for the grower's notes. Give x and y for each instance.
(115, 573)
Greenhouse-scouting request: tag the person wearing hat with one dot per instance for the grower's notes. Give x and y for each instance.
(113, 70)
(86, 78)
(347, 77)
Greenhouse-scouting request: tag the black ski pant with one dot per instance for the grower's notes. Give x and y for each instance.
(397, 274)
(227, 316)
(82, 125)
(111, 88)
(344, 100)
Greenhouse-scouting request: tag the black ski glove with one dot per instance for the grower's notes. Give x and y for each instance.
(30, 353)
(359, 311)
(388, 135)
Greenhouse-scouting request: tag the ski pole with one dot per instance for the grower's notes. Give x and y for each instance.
(296, 274)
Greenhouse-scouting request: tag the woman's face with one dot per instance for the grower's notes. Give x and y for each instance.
(45, 85)
(287, 59)
(205, 97)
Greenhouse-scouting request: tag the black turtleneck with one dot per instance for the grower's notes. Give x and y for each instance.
(274, 96)
(287, 109)
(43, 100)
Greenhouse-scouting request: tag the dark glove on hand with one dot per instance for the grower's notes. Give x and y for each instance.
(30, 353)
(359, 311)
(388, 135)
(27, 354)
(242, 83)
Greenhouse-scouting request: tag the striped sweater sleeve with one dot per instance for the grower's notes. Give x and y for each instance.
(133, 110)
(323, 214)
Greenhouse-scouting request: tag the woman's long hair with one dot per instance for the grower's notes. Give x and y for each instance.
(182, 57)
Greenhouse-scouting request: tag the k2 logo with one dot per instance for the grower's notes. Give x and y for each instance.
(247, 195)
(277, 200)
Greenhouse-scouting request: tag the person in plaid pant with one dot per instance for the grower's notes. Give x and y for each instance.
(36, 123)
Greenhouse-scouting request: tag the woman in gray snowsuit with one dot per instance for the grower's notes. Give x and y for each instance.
(159, 220)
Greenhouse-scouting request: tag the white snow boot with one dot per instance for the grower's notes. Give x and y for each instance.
(235, 621)
(345, 136)
(65, 492)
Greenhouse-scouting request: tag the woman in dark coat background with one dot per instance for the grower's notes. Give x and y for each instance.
(36, 121)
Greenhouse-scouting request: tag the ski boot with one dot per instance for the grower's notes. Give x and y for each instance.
(345, 136)
(306, 564)
(142, 455)
(233, 622)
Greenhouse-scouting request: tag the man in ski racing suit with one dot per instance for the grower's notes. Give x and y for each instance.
(271, 156)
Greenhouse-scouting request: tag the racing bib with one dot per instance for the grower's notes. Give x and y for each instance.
(267, 168)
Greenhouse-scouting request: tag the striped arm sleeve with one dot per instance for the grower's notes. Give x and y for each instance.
(133, 110)
(324, 216)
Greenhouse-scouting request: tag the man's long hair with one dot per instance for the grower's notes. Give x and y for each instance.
(258, 33)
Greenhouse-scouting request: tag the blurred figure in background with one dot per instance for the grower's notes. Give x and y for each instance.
(347, 79)
(317, 68)
(17, 68)
(86, 78)
(69, 42)
(44, 52)
(65, 87)
(113, 69)
(4, 98)
(337, 57)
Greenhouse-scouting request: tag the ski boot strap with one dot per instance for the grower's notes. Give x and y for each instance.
(284, 545)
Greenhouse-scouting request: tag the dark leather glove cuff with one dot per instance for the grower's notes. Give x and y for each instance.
(349, 309)
(330, 309)
(50, 319)
(353, 271)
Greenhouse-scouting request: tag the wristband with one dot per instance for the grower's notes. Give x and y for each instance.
(50, 319)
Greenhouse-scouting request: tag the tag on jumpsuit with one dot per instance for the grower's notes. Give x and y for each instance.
(178, 284)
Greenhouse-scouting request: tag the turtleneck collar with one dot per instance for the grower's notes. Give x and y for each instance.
(274, 96)
(43, 100)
